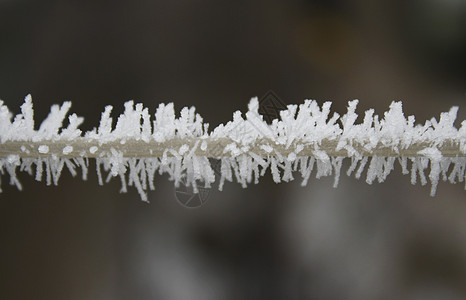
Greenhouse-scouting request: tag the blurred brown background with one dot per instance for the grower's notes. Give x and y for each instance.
(82, 241)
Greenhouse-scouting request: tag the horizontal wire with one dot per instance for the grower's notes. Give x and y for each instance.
(92, 148)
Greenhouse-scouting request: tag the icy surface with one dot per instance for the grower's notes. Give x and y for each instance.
(298, 126)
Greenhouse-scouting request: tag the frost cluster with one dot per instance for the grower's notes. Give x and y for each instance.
(253, 147)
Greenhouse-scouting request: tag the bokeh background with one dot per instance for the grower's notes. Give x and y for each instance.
(383, 241)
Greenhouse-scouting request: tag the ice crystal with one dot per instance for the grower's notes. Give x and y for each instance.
(246, 147)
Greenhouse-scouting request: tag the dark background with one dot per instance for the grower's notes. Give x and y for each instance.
(383, 241)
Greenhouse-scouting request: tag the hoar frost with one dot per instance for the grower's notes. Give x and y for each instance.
(246, 147)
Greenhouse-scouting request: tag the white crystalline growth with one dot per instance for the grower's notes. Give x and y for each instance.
(298, 127)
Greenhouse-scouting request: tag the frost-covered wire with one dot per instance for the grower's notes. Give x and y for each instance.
(304, 138)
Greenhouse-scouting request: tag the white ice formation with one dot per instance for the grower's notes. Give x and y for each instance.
(296, 142)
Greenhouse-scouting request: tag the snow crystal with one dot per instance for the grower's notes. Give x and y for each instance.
(291, 156)
(23, 148)
(67, 150)
(204, 146)
(93, 149)
(183, 149)
(43, 149)
(267, 148)
(297, 141)
(13, 159)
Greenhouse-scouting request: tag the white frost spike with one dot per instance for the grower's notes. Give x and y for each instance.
(26, 123)
(11, 163)
(259, 126)
(337, 162)
(393, 125)
(72, 131)
(117, 163)
(436, 158)
(164, 123)
(54, 121)
(305, 135)
(23, 123)
(105, 127)
(348, 128)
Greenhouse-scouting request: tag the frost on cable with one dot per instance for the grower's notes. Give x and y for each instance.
(306, 138)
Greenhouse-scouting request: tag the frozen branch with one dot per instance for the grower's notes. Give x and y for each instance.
(83, 147)
(303, 137)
